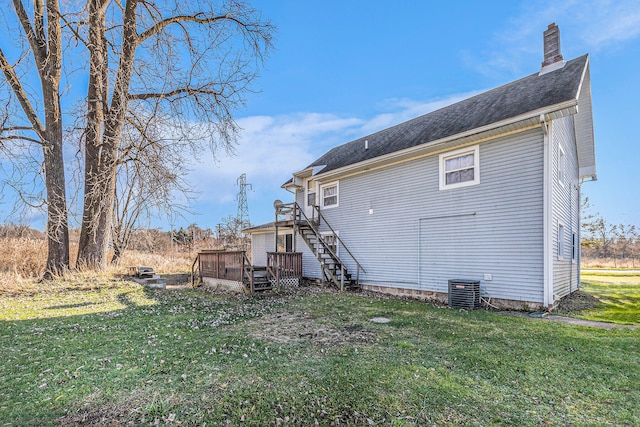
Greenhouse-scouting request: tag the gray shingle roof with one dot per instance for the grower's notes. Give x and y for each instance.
(511, 100)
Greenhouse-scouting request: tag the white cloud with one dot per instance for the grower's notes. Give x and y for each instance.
(587, 26)
(268, 151)
(271, 148)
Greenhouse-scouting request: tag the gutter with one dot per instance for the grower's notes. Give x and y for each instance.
(549, 113)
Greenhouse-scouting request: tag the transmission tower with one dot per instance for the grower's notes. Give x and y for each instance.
(242, 218)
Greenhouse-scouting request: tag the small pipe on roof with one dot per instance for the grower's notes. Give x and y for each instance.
(366, 144)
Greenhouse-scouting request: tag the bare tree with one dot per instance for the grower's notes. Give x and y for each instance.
(190, 62)
(149, 180)
(187, 64)
(230, 233)
(33, 117)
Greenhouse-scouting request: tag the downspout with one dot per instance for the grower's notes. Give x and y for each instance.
(573, 239)
(579, 233)
(547, 217)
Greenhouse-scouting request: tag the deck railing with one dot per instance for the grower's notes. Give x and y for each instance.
(284, 265)
(222, 265)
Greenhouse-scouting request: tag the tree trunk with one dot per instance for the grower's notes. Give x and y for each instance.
(94, 234)
(57, 221)
(50, 68)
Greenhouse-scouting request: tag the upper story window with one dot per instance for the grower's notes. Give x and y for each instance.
(561, 166)
(460, 168)
(329, 195)
(311, 192)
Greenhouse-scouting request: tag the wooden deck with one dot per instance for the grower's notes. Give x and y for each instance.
(282, 268)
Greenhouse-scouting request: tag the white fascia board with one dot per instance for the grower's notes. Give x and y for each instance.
(585, 139)
(584, 74)
(281, 230)
(296, 181)
(298, 177)
(489, 131)
(587, 172)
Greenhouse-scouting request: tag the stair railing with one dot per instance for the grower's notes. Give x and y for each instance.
(247, 271)
(195, 269)
(358, 265)
(302, 216)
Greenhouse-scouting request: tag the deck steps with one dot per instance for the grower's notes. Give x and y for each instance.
(261, 280)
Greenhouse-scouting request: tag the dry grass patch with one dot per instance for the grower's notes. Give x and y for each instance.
(287, 328)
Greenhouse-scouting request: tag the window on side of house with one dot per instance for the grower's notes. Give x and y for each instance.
(560, 241)
(285, 242)
(460, 168)
(574, 247)
(311, 192)
(561, 166)
(331, 241)
(329, 195)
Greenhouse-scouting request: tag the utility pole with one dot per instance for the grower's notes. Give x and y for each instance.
(242, 218)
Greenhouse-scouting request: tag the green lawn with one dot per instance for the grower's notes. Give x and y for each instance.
(617, 294)
(121, 354)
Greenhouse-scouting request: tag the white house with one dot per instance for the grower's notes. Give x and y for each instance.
(486, 190)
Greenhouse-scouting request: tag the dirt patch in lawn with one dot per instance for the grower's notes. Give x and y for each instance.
(286, 328)
(576, 302)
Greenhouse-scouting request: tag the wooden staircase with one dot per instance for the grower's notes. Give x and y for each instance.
(334, 270)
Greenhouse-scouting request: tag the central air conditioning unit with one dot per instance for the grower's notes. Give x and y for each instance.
(464, 294)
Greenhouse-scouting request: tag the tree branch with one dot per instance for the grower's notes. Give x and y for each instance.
(20, 137)
(180, 91)
(197, 18)
(37, 45)
(75, 31)
(18, 90)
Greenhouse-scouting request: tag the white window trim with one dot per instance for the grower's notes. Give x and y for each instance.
(307, 191)
(562, 166)
(561, 239)
(329, 233)
(321, 195)
(574, 247)
(456, 153)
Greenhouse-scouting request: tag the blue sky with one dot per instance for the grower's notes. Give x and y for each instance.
(344, 69)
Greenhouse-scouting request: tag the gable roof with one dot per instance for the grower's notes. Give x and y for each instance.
(534, 93)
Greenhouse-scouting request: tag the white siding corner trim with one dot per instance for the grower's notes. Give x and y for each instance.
(547, 218)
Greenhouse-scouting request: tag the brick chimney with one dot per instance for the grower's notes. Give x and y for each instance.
(553, 59)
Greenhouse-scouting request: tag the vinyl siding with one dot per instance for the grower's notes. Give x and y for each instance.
(411, 240)
(261, 243)
(565, 207)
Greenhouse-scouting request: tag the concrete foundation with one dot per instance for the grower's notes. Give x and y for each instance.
(442, 298)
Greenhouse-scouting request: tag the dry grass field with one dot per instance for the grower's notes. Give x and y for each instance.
(22, 263)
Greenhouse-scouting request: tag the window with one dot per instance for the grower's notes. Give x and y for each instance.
(331, 241)
(574, 247)
(459, 168)
(285, 242)
(560, 241)
(329, 194)
(311, 192)
(561, 165)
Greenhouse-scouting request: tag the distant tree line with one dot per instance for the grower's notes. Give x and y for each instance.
(227, 235)
(602, 240)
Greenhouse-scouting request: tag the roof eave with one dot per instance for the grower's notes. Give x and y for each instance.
(485, 132)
